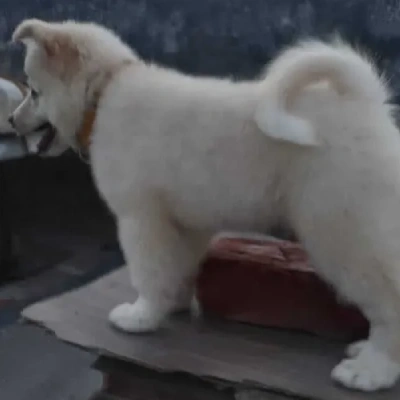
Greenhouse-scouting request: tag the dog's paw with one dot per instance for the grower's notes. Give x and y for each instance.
(368, 371)
(354, 349)
(135, 318)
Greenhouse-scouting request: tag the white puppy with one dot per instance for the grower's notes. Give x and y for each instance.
(179, 158)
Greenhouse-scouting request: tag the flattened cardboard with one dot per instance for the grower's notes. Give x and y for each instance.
(287, 362)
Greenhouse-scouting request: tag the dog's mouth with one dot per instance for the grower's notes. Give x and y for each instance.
(44, 126)
(46, 132)
(47, 137)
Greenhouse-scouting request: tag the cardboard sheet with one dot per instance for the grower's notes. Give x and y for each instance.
(286, 362)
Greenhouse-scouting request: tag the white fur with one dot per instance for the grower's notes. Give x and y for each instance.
(369, 370)
(303, 65)
(179, 158)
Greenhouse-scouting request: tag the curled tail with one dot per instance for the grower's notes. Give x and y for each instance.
(349, 73)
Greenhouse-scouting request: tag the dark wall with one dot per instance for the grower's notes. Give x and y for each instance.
(220, 37)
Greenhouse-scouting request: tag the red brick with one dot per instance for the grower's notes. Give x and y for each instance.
(271, 283)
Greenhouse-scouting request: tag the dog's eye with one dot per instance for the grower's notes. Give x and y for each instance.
(34, 94)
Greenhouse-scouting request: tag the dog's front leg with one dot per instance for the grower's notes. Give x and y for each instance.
(162, 260)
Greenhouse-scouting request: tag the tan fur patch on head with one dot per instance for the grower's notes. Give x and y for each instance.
(62, 54)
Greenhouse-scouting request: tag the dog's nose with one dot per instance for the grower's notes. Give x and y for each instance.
(11, 120)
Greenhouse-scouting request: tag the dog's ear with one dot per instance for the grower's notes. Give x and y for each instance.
(46, 35)
(60, 51)
(31, 29)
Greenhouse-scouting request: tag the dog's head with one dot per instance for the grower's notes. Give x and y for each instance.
(66, 65)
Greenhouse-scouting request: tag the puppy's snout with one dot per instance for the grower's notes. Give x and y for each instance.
(11, 120)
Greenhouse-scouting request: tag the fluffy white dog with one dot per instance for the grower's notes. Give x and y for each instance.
(179, 158)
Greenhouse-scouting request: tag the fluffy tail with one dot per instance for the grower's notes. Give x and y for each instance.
(349, 73)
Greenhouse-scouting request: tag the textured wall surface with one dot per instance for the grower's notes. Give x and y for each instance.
(231, 37)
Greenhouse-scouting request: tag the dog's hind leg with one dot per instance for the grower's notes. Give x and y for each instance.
(362, 273)
(374, 363)
(163, 260)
